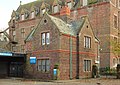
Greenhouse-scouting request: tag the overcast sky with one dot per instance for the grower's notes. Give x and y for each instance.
(6, 8)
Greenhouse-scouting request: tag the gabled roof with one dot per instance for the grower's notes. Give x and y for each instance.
(72, 28)
(61, 25)
(30, 36)
(77, 25)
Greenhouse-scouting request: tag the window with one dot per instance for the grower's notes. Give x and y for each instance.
(45, 38)
(87, 42)
(22, 17)
(85, 2)
(55, 9)
(115, 21)
(32, 15)
(87, 65)
(26, 15)
(37, 11)
(44, 65)
(13, 48)
(69, 4)
(43, 11)
(23, 32)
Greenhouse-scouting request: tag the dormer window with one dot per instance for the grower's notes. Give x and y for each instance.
(22, 17)
(85, 2)
(32, 15)
(69, 4)
(55, 9)
(43, 11)
(26, 15)
(17, 17)
(37, 11)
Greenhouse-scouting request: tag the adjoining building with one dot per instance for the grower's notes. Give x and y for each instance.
(11, 64)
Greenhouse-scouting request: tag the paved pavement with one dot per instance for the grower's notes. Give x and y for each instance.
(100, 81)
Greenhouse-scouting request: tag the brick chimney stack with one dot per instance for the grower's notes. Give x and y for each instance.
(65, 13)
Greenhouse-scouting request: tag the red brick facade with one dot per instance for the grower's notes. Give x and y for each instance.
(100, 20)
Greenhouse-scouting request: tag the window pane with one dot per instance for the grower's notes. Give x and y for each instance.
(89, 65)
(43, 65)
(22, 17)
(84, 65)
(55, 9)
(87, 42)
(39, 65)
(43, 11)
(47, 65)
(85, 2)
(69, 5)
(43, 38)
(47, 38)
(84, 41)
(32, 15)
(89, 45)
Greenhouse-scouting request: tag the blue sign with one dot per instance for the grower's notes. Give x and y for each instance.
(5, 54)
(55, 72)
(32, 60)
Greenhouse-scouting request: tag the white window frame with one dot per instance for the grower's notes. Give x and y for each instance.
(45, 38)
(22, 17)
(43, 11)
(55, 9)
(87, 42)
(85, 2)
(87, 64)
(43, 65)
(69, 4)
(32, 14)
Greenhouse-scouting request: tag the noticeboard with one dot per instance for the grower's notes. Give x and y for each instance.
(32, 60)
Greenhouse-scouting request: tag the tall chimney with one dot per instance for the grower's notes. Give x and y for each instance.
(65, 13)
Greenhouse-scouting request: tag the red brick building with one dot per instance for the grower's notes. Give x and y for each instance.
(103, 17)
(71, 46)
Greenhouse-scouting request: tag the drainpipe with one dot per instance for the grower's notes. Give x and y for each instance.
(77, 57)
(70, 57)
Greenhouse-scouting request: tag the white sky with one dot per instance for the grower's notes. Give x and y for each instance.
(6, 8)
